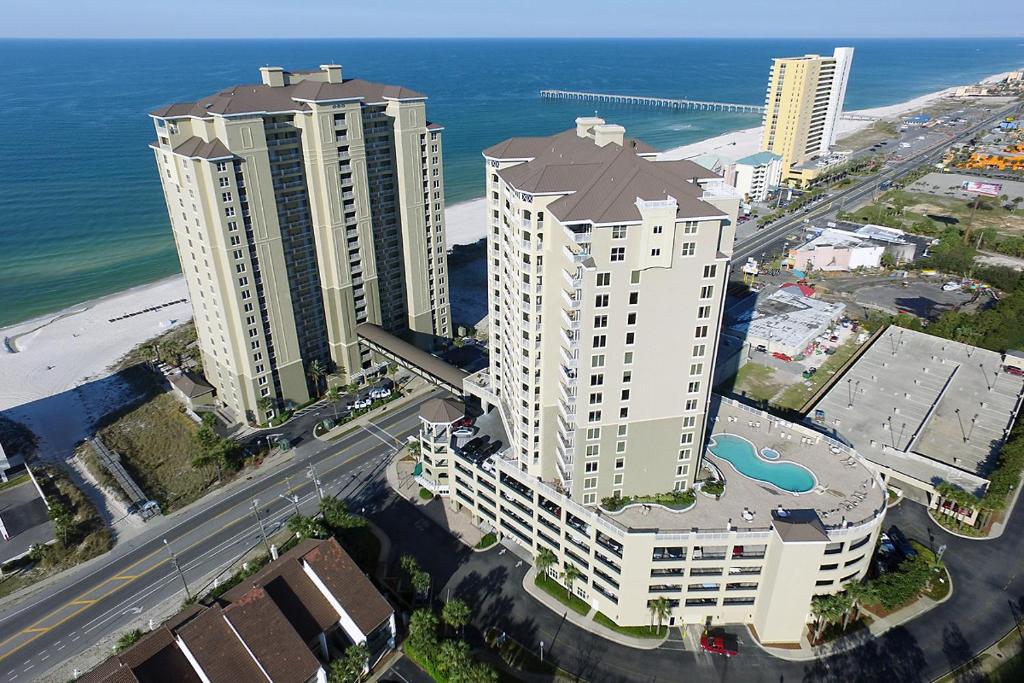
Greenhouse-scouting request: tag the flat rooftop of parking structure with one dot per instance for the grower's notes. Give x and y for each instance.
(934, 401)
(844, 490)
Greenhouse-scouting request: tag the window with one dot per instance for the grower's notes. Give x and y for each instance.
(589, 498)
(596, 398)
(624, 396)
(604, 279)
(225, 196)
(224, 182)
(703, 312)
(620, 446)
(229, 211)
(596, 380)
(618, 254)
(689, 249)
(634, 298)
(593, 450)
(684, 454)
(655, 252)
(621, 430)
(597, 361)
(590, 483)
(623, 413)
(593, 433)
(600, 341)
(691, 404)
(594, 416)
(619, 232)
(601, 301)
(630, 338)
(689, 421)
(709, 271)
(222, 166)
(706, 291)
(696, 369)
(693, 387)
(232, 226)
(617, 480)
(627, 377)
(620, 463)
(698, 350)
(631, 319)
(682, 470)
(600, 321)
(627, 358)
(590, 467)
(686, 439)
(658, 230)
(701, 332)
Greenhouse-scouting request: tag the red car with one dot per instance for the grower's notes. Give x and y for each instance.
(1013, 370)
(716, 645)
(464, 422)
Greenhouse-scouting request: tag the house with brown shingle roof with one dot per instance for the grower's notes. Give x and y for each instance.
(280, 625)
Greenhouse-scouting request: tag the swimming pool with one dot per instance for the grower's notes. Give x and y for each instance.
(742, 455)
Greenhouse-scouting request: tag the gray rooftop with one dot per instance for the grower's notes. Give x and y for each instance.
(784, 317)
(925, 406)
(601, 184)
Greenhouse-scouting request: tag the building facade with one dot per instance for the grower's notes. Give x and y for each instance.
(802, 106)
(607, 272)
(301, 207)
(587, 233)
(755, 176)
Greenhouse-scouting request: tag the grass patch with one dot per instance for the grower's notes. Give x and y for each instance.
(426, 494)
(175, 347)
(795, 396)
(634, 631)
(14, 481)
(87, 454)
(956, 526)
(865, 137)
(157, 446)
(558, 591)
(755, 381)
(487, 541)
(677, 500)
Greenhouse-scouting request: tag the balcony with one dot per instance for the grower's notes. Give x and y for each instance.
(573, 280)
(577, 237)
(576, 257)
(572, 302)
(571, 322)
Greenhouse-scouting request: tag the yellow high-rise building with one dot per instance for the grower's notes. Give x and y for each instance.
(804, 101)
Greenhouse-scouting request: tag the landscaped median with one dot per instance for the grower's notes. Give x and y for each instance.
(559, 592)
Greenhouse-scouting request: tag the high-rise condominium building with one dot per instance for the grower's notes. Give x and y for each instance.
(301, 207)
(606, 272)
(606, 277)
(804, 101)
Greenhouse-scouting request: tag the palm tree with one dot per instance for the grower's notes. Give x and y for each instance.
(334, 398)
(570, 574)
(544, 561)
(858, 593)
(264, 403)
(660, 609)
(316, 371)
(455, 614)
(352, 666)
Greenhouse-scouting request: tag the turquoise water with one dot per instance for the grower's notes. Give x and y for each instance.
(742, 455)
(81, 211)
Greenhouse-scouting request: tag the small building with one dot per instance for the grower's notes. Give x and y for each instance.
(755, 176)
(919, 120)
(836, 250)
(193, 391)
(786, 321)
(281, 625)
(437, 417)
(1015, 360)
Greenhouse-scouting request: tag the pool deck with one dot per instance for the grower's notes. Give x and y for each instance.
(846, 493)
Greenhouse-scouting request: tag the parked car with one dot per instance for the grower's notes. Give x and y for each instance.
(717, 645)
(464, 422)
(362, 402)
(464, 432)
(379, 392)
(761, 348)
(951, 286)
(1013, 370)
(901, 542)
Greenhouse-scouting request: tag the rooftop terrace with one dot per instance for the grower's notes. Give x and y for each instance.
(846, 490)
(925, 406)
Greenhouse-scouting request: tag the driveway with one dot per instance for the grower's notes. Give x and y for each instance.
(985, 578)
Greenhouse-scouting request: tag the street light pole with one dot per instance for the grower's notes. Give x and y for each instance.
(181, 575)
(312, 473)
(263, 533)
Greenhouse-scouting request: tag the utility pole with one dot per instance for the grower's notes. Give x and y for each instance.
(177, 567)
(312, 474)
(263, 533)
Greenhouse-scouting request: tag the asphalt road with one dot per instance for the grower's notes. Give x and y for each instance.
(770, 239)
(80, 608)
(986, 577)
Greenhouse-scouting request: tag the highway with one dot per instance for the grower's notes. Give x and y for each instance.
(770, 239)
(83, 606)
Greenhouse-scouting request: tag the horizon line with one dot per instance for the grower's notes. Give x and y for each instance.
(580, 38)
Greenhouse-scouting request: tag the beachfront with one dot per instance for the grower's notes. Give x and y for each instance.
(58, 383)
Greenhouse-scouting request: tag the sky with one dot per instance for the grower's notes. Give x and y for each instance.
(516, 18)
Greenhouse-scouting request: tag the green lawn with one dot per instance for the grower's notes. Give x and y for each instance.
(796, 395)
(635, 631)
(557, 591)
(756, 381)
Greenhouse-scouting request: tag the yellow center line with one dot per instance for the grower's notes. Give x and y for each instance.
(128, 579)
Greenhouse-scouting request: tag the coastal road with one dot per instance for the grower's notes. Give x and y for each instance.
(771, 238)
(79, 609)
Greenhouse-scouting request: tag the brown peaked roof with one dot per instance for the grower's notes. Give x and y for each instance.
(799, 526)
(690, 170)
(343, 578)
(442, 410)
(156, 658)
(530, 147)
(244, 99)
(294, 593)
(111, 670)
(197, 148)
(217, 650)
(270, 638)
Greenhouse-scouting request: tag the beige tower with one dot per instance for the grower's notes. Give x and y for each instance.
(607, 271)
(301, 207)
(805, 98)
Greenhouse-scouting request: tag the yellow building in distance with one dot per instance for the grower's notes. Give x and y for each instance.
(804, 100)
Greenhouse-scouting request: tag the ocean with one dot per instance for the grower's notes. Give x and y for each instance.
(82, 214)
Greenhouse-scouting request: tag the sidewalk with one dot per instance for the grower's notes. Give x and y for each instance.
(400, 479)
(414, 390)
(854, 639)
(587, 622)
